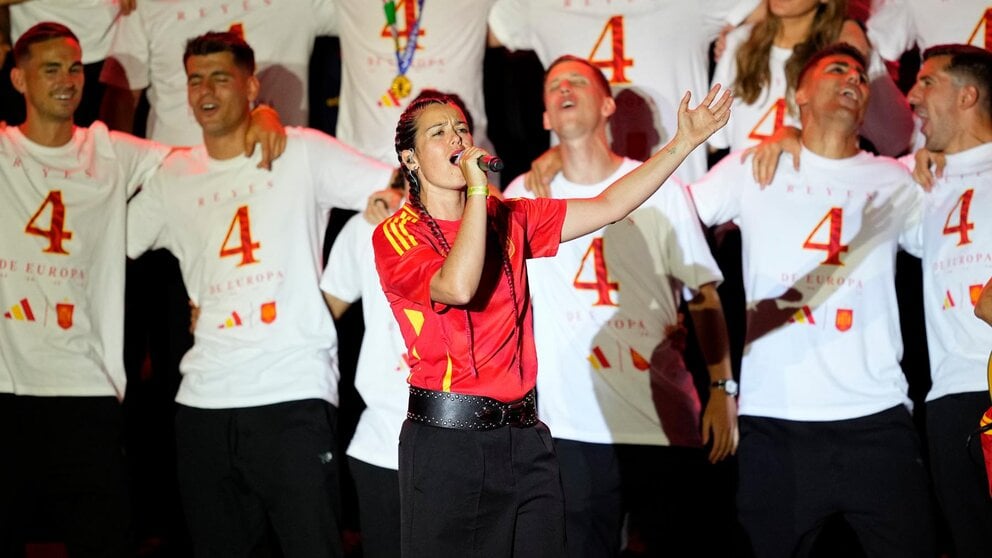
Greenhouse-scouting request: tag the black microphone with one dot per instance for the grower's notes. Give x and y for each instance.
(486, 162)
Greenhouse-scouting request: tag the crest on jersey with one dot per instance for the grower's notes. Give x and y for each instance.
(974, 291)
(844, 319)
(64, 311)
(269, 312)
(640, 362)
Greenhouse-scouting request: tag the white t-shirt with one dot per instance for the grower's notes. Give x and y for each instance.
(450, 49)
(752, 123)
(93, 21)
(601, 307)
(819, 248)
(896, 25)
(62, 216)
(149, 45)
(249, 243)
(955, 243)
(380, 377)
(652, 51)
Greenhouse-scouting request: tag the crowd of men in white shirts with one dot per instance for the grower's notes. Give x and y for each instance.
(825, 423)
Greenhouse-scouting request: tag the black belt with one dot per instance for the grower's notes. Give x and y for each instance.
(469, 412)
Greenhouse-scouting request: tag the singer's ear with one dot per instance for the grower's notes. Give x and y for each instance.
(409, 159)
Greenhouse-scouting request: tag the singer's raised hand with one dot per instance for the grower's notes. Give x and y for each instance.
(698, 124)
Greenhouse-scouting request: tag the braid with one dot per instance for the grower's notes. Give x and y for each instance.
(435, 228)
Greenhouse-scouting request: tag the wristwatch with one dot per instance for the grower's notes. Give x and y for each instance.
(729, 386)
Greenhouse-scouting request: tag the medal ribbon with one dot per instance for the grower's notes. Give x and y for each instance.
(404, 57)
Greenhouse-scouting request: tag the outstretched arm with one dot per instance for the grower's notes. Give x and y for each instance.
(625, 195)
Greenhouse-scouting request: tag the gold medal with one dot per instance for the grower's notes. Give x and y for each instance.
(401, 86)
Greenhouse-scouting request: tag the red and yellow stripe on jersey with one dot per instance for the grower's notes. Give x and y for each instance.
(395, 229)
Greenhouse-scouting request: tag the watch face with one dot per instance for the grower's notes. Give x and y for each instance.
(730, 386)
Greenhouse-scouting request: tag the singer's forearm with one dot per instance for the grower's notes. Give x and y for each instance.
(624, 195)
(458, 279)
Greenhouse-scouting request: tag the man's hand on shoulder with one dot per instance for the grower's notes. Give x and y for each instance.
(266, 130)
(929, 168)
(767, 153)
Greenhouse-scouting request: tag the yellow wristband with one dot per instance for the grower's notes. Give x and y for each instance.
(478, 190)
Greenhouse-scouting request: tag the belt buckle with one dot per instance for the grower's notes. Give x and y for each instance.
(512, 414)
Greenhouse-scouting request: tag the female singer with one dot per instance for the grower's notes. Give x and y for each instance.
(478, 474)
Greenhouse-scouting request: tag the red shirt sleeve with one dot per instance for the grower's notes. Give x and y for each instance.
(405, 261)
(543, 219)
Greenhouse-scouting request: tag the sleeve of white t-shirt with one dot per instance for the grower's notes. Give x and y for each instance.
(146, 220)
(140, 158)
(342, 276)
(325, 14)
(509, 21)
(891, 29)
(717, 196)
(345, 177)
(911, 239)
(687, 253)
(130, 50)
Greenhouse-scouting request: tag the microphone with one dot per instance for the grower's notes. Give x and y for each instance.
(486, 162)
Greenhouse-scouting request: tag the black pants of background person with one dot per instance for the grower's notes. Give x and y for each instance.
(64, 475)
(794, 475)
(378, 508)
(243, 470)
(958, 470)
(484, 494)
(662, 492)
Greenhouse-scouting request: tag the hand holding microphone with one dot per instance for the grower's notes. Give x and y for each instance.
(487, 162)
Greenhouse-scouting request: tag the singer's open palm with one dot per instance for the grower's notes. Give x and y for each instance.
(698, 124)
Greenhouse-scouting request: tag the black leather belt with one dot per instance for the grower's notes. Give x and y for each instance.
(469, 412)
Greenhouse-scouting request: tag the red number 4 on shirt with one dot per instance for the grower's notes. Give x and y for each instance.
(55, 233)
(244, 247)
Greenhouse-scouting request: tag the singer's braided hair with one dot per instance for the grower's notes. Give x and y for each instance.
(405, 139)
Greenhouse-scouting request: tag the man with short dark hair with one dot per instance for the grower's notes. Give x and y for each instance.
(62, 214)
(824, 423)
(953, 99)
(256, 419)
